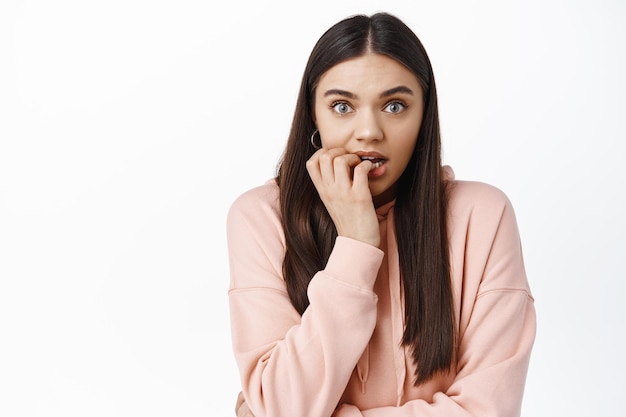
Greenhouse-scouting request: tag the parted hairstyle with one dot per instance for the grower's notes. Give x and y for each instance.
(421, 200)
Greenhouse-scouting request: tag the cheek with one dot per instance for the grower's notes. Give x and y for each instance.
(332, 138)
(404, 151)
(406, 139)
(333, 134)
(411, 131)
(322, 124)
(403, 162)
(409, 148)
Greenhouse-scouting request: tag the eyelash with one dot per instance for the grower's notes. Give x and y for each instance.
(337, 103)
(401, 103)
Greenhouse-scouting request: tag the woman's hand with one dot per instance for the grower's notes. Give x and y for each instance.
(341, 181)
(241, 408)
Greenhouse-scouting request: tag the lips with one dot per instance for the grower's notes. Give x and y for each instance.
(375, 158)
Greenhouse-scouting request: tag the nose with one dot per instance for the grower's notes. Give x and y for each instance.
(367, 127)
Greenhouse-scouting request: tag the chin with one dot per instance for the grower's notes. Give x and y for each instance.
(377, 189)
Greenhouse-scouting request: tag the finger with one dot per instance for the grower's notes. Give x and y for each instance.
(361, 171)
(343, 166)
(326, 160)
(314, 166)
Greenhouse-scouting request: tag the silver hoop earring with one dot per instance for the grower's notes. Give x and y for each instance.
(313, 140)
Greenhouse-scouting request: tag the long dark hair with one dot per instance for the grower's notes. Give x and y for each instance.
(420, 208)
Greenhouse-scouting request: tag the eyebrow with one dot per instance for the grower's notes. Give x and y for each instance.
(395, 90)
(338, 92)
(387, 93)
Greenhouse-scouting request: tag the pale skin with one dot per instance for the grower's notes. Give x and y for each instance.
(368, 111)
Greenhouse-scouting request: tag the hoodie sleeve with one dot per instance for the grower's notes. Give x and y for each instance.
(496, 314)
(289, 363)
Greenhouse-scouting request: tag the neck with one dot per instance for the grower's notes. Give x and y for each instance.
(385, 197)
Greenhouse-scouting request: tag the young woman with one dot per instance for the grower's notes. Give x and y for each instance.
(365, 279)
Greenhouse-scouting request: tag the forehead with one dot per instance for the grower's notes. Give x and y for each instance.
(371, 72)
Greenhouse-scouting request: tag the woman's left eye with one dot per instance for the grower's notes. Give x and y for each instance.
(395, 107)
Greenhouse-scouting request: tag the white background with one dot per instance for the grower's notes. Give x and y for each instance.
(127, 128)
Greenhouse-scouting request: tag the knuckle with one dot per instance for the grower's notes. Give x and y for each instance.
(325, 158)
(361, 168)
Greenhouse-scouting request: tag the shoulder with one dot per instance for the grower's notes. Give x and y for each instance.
(474, 198)
(255, 238)
(257, 200)
(479, 215)
(256, 211)
(469, 196)
(484, 238)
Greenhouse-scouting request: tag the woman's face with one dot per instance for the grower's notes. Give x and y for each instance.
(371, 106)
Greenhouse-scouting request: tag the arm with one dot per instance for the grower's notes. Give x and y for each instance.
(492, 371)
(290, 363)
(497, 316)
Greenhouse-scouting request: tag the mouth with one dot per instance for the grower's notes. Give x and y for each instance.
(377, 160)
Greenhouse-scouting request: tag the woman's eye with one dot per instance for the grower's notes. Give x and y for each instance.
(341, 108)
(395, 107)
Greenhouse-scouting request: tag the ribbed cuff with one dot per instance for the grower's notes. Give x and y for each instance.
(354, 262)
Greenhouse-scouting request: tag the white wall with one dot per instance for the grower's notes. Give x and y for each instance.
(127, 128)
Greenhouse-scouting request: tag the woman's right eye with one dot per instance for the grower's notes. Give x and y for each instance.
(341, 107)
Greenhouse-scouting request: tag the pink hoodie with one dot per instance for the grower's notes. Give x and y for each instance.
(343, 357)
